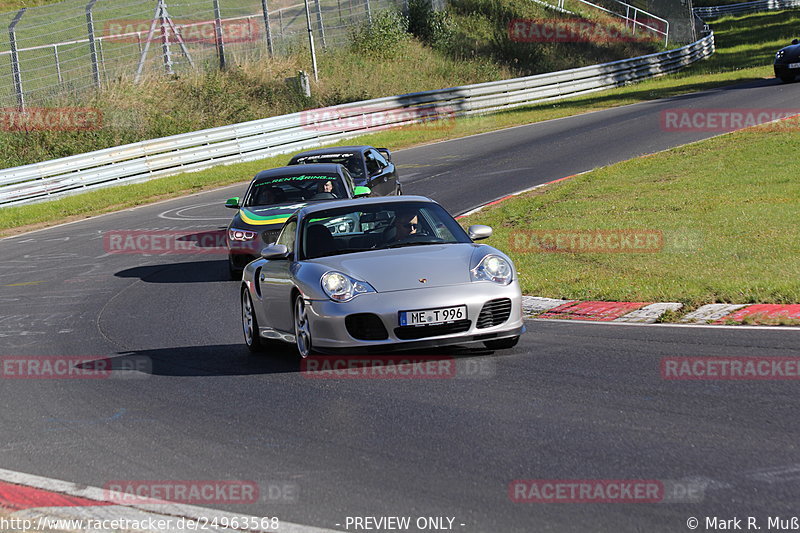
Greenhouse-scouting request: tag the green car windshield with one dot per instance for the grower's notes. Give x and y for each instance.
(377, 227)
(296, 188)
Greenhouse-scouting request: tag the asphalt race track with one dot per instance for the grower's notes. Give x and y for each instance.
(571, 401)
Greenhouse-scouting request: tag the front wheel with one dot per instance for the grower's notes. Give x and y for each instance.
(502, 344)
(302, 329)
(250, 323)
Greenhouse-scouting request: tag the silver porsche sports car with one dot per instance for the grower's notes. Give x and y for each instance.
(403, 274)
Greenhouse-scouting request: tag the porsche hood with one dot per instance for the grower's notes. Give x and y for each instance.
(411, 267)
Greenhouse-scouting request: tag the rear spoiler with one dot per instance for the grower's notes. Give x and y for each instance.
(386, 153)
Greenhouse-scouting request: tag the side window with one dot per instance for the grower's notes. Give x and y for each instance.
(288, 235)
(374, 159)
(382, 162)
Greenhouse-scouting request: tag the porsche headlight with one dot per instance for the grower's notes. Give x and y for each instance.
(780, 53)
(342, 288)
(493, 268)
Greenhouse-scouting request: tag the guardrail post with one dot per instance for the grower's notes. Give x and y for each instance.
(311, 42)
(15, 72)
(321, 26)
(92, 47)
(218, 31)
(265, 11)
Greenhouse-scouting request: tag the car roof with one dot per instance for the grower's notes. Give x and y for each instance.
(333, 150)
(355, 202)
(294, 170)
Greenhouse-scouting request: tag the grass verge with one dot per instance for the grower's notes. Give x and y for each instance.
(744, 47)
(727, 227)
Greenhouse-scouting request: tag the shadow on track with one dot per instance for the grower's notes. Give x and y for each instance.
(191, 272)
(235, 359)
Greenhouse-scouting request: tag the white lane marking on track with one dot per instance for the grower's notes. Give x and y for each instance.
(178, 213)
(777, 474)
(165, 509)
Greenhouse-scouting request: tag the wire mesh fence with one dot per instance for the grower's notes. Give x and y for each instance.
(65, 49)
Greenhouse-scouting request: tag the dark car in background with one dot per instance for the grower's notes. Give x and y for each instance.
(787, 62)
(370, 167)
(272, 197)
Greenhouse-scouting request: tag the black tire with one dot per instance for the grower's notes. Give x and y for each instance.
(233, 272)
(502, 344)
(250, 324)
(302, 332)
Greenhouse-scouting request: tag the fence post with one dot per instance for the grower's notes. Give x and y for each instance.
(162, 10)
(265, 11)
(311, 42)
(92, 47)
(321, 26)
(218, 28)
(58, 64)
(12, 37)
(369, 12)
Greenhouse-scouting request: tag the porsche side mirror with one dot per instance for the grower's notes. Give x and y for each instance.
(232, 203)
(479, 231)
(360, 192)
(795, 41)
(275, 251)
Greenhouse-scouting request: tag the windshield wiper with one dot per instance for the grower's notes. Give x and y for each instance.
(413, 243)
(342, 251)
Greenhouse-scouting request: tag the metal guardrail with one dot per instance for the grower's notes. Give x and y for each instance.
(745, 7)
(258, 139)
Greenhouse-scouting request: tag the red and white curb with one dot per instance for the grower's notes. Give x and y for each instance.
(55, 505)
(649, 313)
(632, 312)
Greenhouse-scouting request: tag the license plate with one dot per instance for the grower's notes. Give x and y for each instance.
(424, 317)
(794, 65)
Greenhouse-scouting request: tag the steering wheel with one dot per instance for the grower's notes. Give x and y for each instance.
(324, 196)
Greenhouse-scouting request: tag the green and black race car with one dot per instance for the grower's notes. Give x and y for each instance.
(272, 197)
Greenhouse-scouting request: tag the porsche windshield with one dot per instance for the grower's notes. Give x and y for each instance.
(296, 188)
(376, 227)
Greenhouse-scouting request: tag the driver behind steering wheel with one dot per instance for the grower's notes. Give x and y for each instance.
(406, 224)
